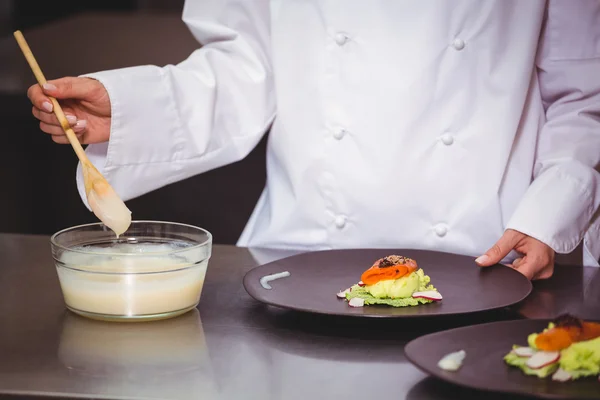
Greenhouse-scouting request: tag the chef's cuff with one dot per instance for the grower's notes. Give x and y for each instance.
(140, 134)
(558, 206)
(138, 138)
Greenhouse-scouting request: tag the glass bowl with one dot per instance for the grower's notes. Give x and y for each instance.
(155, 270)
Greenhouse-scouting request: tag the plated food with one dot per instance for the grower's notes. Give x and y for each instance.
(473, 356)
(394, 281)
(309, 282)
(568, 349)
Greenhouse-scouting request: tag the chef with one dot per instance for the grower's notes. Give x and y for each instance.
(464, 126)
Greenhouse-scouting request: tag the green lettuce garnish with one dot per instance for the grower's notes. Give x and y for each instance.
(519, 362)
(415, 282)
(580, 359)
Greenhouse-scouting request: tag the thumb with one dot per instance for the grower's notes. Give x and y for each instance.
(498, 251)
(68, 88)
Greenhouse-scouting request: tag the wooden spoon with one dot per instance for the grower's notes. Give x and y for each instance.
(103, 200)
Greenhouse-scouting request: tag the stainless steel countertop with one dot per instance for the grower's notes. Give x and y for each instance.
(230, 347)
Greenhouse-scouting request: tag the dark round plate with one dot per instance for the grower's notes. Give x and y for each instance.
(316, 277)
(483, 367)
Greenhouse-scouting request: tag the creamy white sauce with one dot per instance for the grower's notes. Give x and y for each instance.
(264, 281)
(131, 285)
(452, 361)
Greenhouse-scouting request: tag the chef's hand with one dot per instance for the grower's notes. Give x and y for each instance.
(537, 261)
(85, 103)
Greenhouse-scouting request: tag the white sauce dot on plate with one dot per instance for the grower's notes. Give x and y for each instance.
(264, 281)
(452, 361)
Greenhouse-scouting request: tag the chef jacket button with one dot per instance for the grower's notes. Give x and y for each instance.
(441, 230)
(339, 133)
(340, 221)
(341, 38)
(447, 139)
(458, 44)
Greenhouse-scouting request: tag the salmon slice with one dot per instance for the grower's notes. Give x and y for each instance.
(387, 268)
(567, 330)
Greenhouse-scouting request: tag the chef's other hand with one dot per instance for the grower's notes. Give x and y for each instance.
(86, 105)
(537, 261)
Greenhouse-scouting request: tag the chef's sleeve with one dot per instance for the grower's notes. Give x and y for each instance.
(561, 205)
(169, 123)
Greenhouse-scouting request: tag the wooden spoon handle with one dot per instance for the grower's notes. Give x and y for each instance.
(56, 107)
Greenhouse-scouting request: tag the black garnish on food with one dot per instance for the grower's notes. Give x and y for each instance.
(390, 261)
(385, 263)
(567, 320)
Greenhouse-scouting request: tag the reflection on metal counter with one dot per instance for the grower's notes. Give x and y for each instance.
(133, 358)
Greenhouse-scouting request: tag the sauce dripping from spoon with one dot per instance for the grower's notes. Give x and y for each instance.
(108, 207)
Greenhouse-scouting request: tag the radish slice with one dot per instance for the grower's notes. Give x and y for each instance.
(561, 375)
(356, 302)
(361, 283)
(542, 358)
(342, 294)
(452, 361)
(430, 295)
(264, 281)
(524, 351)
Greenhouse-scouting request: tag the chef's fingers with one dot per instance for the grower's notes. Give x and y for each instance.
(528, 269)
(63, 88)
(532, 269)
(545, 273)
(39, 99)
(54, 130)
(503, 246)
(51, 119)
(517, 262)
(69, 88)
(537, 265)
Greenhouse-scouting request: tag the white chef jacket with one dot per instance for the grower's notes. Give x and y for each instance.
(394, 124)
